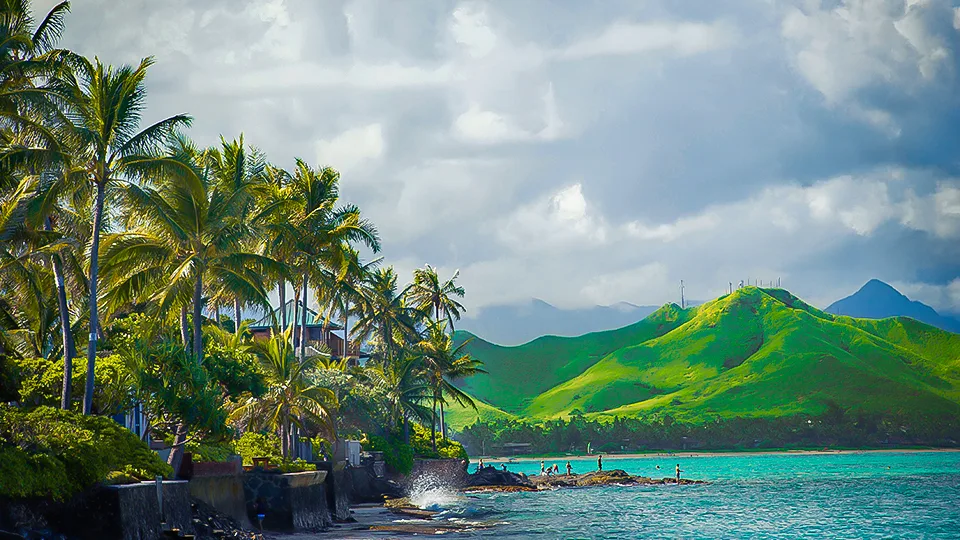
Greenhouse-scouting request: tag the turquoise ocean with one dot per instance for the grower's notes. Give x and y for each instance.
(858, 495)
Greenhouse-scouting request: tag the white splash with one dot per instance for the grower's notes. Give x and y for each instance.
(430, 492)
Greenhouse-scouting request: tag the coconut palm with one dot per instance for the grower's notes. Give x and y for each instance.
(189, 236)
(341, 290)
(385, 318)
(444, 362)
(404, 389)
(311, 232)
(292, 399)
(103, 105)
(432, 295)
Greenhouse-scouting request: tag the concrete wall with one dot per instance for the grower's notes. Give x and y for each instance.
(289, 502)
(221, 486)
(129, 512)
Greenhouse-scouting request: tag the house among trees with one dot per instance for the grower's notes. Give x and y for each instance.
(321, 337)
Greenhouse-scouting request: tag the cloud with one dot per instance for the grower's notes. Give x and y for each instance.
(480, 126)
(625, 38)
(352, 148)
(576, 152)
(562, 220)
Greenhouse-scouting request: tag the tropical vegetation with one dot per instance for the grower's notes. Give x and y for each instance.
(126, 240)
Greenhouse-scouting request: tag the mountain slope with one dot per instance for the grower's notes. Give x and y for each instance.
(515, 374)
(514, 324)
(878, 300)
(756, 352)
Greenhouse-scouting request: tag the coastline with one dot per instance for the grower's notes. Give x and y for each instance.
(712, 453)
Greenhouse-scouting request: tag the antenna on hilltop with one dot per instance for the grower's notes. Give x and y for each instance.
(681, 294)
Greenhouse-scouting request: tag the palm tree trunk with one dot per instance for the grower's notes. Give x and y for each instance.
(94, 315)
(433, 426)
(236, 315)
(346, 342)
(198, 317)
(296, 313)
(406, 429)
(176, 453)
(282, 294)
(443, 424)
(184, 328)
(303, 321)
(284, 439)
(65, 397)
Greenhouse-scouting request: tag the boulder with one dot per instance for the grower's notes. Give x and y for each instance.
(490, 476)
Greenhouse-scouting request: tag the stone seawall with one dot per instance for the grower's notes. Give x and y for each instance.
(289, 502)
(129, 512)
(220, 484)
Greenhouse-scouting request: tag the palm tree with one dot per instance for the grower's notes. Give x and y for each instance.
(312, 231)
(189, 235)
(385, 317)
(292, 398)
(104, 107)
(27, 56)
(405, 390)
(341, 291)
(431, 295)
(234, 168)
(443, 362)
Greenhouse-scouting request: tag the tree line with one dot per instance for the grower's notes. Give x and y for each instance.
(125, 241)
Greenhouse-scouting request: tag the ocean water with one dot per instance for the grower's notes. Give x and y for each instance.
(869, 495)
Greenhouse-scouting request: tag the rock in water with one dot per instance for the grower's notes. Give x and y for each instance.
(491, 477)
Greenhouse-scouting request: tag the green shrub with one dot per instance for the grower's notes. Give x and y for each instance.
(48, 452)
(203, 451)
(449, 448)
(397, 455)
(254, 445)
(297, 465)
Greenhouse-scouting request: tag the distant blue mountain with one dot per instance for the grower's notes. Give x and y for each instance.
(878, 300)
(513, 324)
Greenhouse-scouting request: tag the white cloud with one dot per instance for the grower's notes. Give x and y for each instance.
(646, 281)
(843, 49)
(480, 126)
(943, 298)
(469, 27)
(682, 38)
(563, 220)
(352, 148)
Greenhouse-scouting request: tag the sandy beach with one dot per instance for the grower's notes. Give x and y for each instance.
(689, 454)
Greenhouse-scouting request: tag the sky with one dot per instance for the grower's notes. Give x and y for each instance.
(591, 152)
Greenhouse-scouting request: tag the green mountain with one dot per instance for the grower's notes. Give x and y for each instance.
(517, 374)
(753, 353)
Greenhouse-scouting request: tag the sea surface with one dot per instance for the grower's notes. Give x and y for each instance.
(866, 495)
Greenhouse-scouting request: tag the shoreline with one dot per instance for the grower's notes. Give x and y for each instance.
(714, 453)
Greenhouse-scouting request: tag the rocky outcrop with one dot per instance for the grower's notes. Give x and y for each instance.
(615, 477)
(489, 478)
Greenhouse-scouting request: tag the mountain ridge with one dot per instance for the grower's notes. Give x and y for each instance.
(755, 352)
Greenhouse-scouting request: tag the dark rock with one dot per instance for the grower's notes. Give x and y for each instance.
(491, 476)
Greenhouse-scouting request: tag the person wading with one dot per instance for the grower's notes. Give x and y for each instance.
(678, 473)
(600, 462)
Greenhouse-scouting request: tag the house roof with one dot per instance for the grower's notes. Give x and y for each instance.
(268, 320)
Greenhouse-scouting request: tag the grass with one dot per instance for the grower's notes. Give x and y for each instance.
(458, 416)
(754, 353)
(517, 374)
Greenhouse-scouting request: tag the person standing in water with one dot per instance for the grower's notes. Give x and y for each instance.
(569, 469)
(543, 470)
(600, 462)
(480, 465)
(678, 473)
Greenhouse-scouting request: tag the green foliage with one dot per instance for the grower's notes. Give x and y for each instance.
(753, 353)
(41, 383)
(204, 451)
(837, 427)
(297, 465)
(48, 452)
(256, 445)
(397, 455)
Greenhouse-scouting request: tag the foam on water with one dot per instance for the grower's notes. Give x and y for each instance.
(430, 492)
